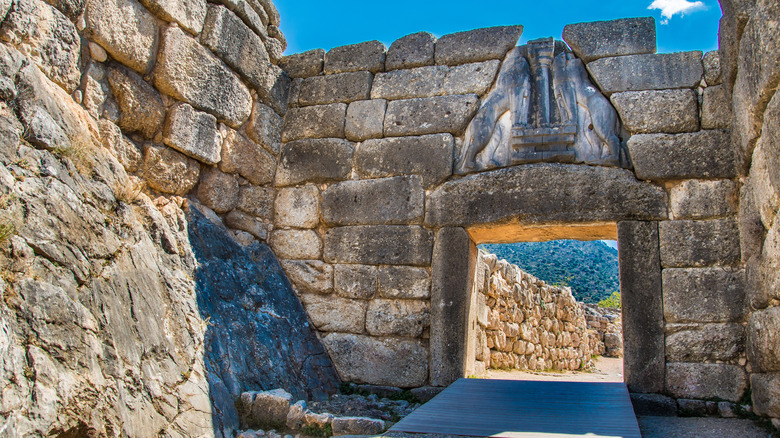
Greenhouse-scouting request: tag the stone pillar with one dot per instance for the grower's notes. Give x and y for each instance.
(643, 313)
(453, 267)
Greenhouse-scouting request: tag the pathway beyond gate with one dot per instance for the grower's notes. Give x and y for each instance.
(526, 409)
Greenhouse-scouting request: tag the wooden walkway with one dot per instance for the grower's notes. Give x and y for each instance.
(526, 409)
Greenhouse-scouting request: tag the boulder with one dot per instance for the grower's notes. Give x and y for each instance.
(140, 107)
(647, 72)
(703, 381)
(703, 295)
(125, 29)
(440, 80)
(335, 314)
(321, 121)
(433, 115)
(297, 207)
(704, 154)
(335, 88)
(368, 56)
(388, 201)
(169, 171)
(365, 119)
(296, 244)
(666, 111)
(304, 65)
(189, 14)
(319, 160)
(476, 45)
(430, 156)
(355, 281)
(602, 39)
(686, 243)
(218, 191)
(397, 318)
(309, 276)
(415, 50)
(193, 133)
(247, 158)
(379, 245)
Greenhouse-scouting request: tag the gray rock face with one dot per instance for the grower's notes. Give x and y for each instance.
(701, 199)
(322, 121)
(764, 340)
(365, 119)
(688, 243)
(265, 127)
(275, 88)
(123, 149)
(477, 45)
(43, 131)
(601, 39)
(188, 13)
(141, 108)
(712, 70)
(369, 56)
(257, 201)
(248, 159)
(430, 156)
(358, 282)
(388, 201)
(705, 154)
(193, 133)
(703, 381)
(432, 115)
(304, 65)
(703, 295)
(71, 8)
(439, 80)
(415, 50)
(169, 171)
(379, 245)
(647, 72)
(715, 108)
(314, 161)
(705, 343)
(766, 393)
(125, 29)
(342, 87)
(666, 111)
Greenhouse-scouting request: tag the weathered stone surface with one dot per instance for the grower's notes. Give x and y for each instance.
(71, 8)
(335, 314)
(703, 295)
(274, 89)
(355, 281)
(357, 426)
(238, 220)
(365, 119)
(123, 149)
(304, 65)
(230, 39)
(654, 405)
(763, 332)
(386, 361)
(97, 52)
(265, 127)
(666, 111)
(430, 115)
(765, 389)
(257, 21)
(314, 161)
(387, 201)
(247, 158)
(600, 39)
(397, 317)
(48, 38)
(296, 244)
(379, 245)
(322, 121)
(705, 154)
(257, 201)
(512, 195)
(715, 108)
(712, 70)
(705, 343)
(415, 50)
(183, 66)
(703, 199)
(268, 408)
(438, 80)
(188, 13)
(141, 108)
(647, 72)
(341, 87)
(309, 276)
(704, 381)
(688, 243)
(297, 207)
(42, 131)
(193, 133)
(218, 191)
(430, 156)
(477, 45)
(369, 56)
(125, 29)
(169, 171)
(404, 282)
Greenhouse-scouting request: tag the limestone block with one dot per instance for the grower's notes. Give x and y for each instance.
(687, 243)
(140, 106)
(274, 89)
(357, 426)
(183, 65)
(304, 65)
(705, 381)
(335, 314)
(169, 171)
(218, 191)
(705, 343)
(703, 295)
(763, 332)
(415, 50)
(296, 244)
(404, 282)
(233, 42)
(652, 111)
(341, 87)
(247, 158)
(314, 161)
(123, 149)
(296, 415)
(190, 14)
(379, 245)
(705, 154)
(500, 196)
(440, 80)
(477, 45)
(766, 159)
(429, 156)
(270, 407)
(379, 361)
(309, 276)
(270, 10)
(712, 71)
(388, 201)
(193, 133)
(647, 72)
(125, 29)
(44, 34)
(765, 389)
(355, 281)
(397, 318)
(431, 115)
(322, 121)
(369, 56)
(265, 127)
(249, 15)
(601, 39)
(257, 201)
(238, 220)
(365, 119)
(42, 131)
(703, 199)
(297, 207)
(715, 108)
(71, 8)
(275, 49)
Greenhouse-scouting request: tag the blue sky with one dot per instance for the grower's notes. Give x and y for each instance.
(309, 24)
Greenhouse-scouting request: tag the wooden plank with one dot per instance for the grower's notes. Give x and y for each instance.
(526, 409)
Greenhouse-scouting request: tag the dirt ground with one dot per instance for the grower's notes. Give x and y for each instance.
(607, 369)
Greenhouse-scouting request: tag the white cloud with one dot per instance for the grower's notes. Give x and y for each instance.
(670, 8)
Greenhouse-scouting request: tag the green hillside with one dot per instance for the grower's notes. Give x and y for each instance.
(589, 268)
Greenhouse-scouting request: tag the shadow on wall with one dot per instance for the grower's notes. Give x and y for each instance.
(258, 335)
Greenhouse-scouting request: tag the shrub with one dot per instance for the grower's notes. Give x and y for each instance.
(612, 302)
